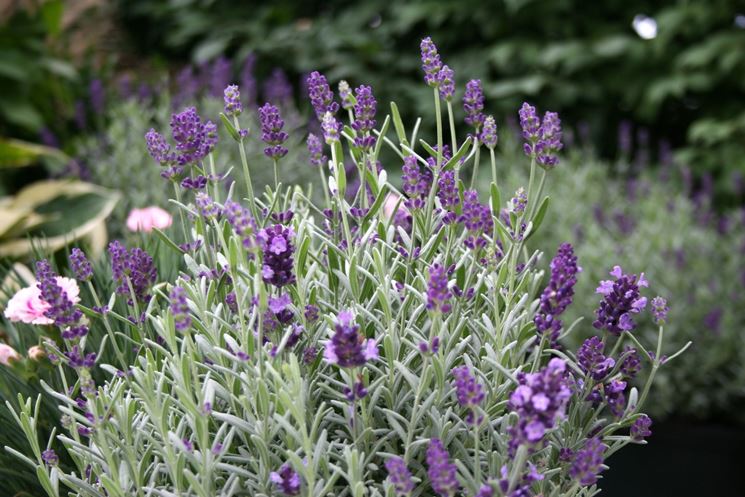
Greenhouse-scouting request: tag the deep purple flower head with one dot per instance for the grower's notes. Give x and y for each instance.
(50, 457)
(557, 296)
(399, 476)
(431, 63)
(659, 310)
(80, 265)
(241, 221)
(621, 298)
(550, 141)
(524, 482)
(276, 244)
(529, 122)
(133, 267)
(442, 473)
(640, 429)
(631, 363)
(615, 397)
(364, 117)
(416, 183)
(180, 309)
(473, 104)
(488, 134)
(78, 359)
(485, 491)
(539, 400)
(438, 293)
(591, 359)
(62, 311)
(159, 148)
(271, 131)
(348, 347)
(321, 96)
(315, 151)
(232, 98)
(477, 219)
(447, 192)
(470, 393)
(277, 88)
(286, 479)
(446, 79)
(194, 139)
(519, 201)
(588, 462)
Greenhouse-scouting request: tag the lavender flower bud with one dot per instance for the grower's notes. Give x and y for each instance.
(80, 265)
(588, 462)
(519, 201)
(659, 310)
(276, 243)
(557, 296)
(286, 479)
(315, 150)
(592, 361)
(469, 392)
(232, 98)
(399, 476)
(473, 104)
(50, 457)
(431, 63)
(621, 298)
(641, 428)
(61, 310)
(446, 80)
(331, 128)
(442, 473)
(321, 96)
(194, 139)
(345, 95)
(364, 117)
(158, 148)
(488, 134)
(438, 293)
(180, 309)
(348, 347)
(271, 131)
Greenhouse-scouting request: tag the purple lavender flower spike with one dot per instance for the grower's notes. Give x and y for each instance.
(488, 134)
(519, 201)
(447, 192)
(539, 400)
(558, 295)
(80, 265)
(473, 104)
(194, 139)
(364, 117)
(416, 184)
(315, 151)
(438, 293)
(348, 347)
(615, 398)
(631, 363)
(206, 207)
(331, 128)
(470, 393)
(276, 243)
(399, 476)
(550, 141)
(446, 79)
(530, 124)
(588, 462)
(621, 298)
(241, 221)
(232, 99)
(659, 310)
(286, 479)
(641, 428)
(271, 131)
(62, 311)
(431, 63)
(592, 361)
(136, 266)
(321, 96)
(345, 95)
(442, 473)
(180, 309)
(477, 219)
(485, 491)
(159, 148)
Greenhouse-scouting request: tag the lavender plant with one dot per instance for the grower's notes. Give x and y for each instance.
(384, 342)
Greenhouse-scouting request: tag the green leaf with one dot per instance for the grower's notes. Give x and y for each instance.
(398, 124)
(17, 153)
(458, 155)
(538, 219)
(229, 126)
(496, 199)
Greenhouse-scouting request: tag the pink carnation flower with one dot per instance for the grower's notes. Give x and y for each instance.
(8, 354)
(27, 305)
(148, 218)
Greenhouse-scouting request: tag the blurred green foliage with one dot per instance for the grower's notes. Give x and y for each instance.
(36, 79)
(580, 58)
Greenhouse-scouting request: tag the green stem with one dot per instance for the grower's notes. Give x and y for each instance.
(276, 176)
(451, 120)
(247, 177)
(493, 166)
(476, 161)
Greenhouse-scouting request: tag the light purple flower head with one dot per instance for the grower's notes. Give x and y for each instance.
(446, 79)
(271, 131)
(442, 473)
(348, 347)
(473, 104)
(232, 99)
(621, 299)
(431, 63)
(321, 96)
